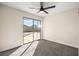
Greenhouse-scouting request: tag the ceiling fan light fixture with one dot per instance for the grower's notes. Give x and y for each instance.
(41, 12)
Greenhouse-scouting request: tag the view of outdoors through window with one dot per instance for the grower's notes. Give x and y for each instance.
(32, 29)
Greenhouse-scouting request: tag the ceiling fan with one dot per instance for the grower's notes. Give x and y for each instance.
(42, 9)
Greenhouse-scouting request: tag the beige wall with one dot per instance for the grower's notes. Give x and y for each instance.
(62, 27)
(11, 27)
(0, 29)
(78, 33)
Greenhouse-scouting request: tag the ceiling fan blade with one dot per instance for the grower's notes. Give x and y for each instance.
(50, 7)
(34, 8)
(46, 12)
(38, 11)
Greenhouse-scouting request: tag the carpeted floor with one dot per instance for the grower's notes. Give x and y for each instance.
(48, 48)
(8, 52)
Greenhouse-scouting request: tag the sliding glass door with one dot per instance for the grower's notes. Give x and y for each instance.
(31, 29)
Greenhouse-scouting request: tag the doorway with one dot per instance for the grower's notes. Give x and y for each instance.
(31, 30)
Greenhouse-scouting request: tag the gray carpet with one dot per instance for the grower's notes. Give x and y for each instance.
(8, 52)
(48, 48)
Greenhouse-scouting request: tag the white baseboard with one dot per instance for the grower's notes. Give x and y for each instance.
(63, 43)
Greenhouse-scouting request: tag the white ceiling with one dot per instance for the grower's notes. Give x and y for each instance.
(25, 6)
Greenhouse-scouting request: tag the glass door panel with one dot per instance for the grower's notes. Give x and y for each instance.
(39, 29)
(36, 29)
(28, 30)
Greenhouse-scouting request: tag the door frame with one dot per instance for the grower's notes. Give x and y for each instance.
(33, 32)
